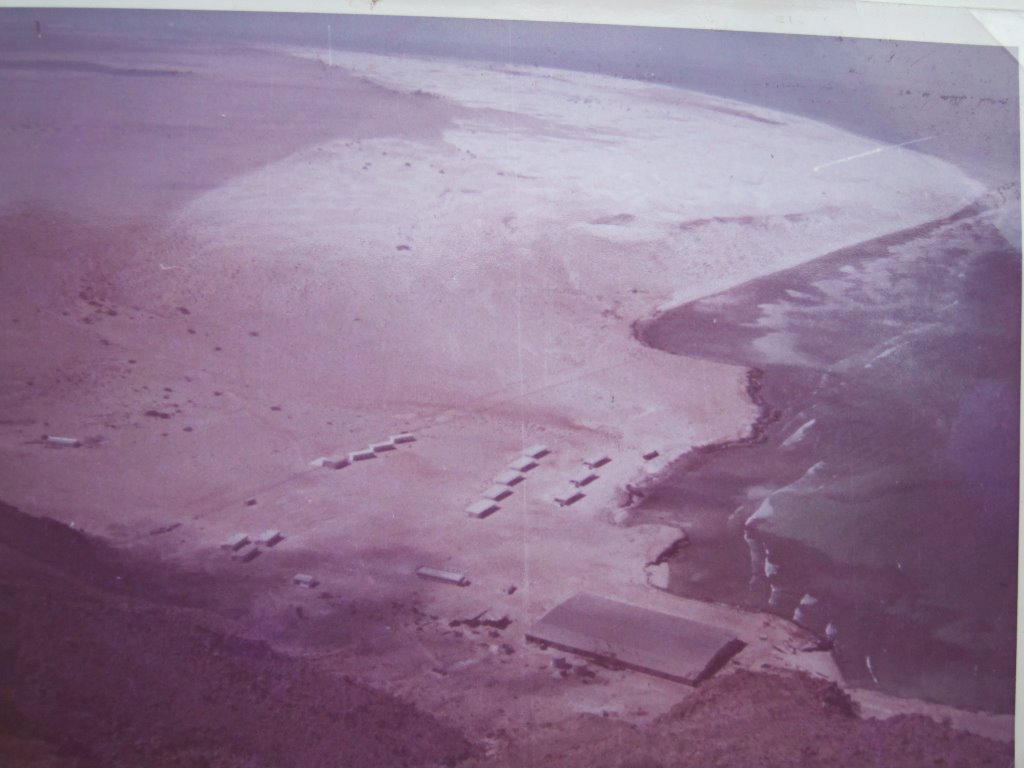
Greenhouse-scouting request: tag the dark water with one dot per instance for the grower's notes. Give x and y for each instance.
(965, 97)
(881, 485)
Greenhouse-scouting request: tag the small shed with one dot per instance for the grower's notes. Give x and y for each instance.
(68, 442)
(334, 462)
(304, 580)
(586, 477)
(536, 451)
(650, 453)
(597, 460)
(482, 508)
(247, 553)
(523, 464)
(509, 477)
(362, 455)
(571, 497)
(440, 574)
(638, 638)
(497, 492)
(236, 542)
(269, 538)
(387, 445)
(405, 437)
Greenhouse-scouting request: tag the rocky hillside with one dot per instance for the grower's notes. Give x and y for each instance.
(96, 673)
(764, 720)
(107, 659)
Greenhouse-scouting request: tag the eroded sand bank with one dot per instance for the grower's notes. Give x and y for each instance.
(465, 263)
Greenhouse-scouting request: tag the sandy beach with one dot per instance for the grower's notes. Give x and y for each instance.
(223, 264)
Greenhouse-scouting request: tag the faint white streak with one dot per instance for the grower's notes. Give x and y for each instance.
(870, 152)
(798, 435)
(871, 669)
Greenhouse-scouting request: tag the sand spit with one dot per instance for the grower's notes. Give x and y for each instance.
(465, 265)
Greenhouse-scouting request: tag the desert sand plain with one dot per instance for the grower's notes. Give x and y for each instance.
(221, 263)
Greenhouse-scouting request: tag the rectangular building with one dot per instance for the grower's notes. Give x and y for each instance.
(637, 638)
(583, 478)
(523, 464)
(497, 492)
(570, 497)
(509, 477)
(482, 508)
(446, 576)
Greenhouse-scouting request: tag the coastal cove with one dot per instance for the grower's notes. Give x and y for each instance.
(877, 495)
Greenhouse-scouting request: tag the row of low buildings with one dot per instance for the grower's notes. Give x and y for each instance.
(506, 480)
(245, 548)
(338, 461)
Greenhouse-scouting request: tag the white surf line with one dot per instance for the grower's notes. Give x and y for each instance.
(870, 152)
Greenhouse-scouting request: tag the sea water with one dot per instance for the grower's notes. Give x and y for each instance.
(876, 496)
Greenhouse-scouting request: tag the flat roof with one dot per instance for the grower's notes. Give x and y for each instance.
(639, 638)
(481, 508)
(497, 492)
(509, 477)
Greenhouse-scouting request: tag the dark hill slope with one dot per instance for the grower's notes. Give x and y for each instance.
(92, 673)
(751, 720)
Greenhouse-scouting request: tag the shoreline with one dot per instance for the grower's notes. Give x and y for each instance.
(983, 209)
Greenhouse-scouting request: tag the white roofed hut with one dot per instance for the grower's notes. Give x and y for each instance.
(442, 575)
(569, 497)
(405, 437)
(597, 460)
(236, 542)
(509, 477)
(586, 477)
(497, 492)
(246, 554)
(67, 442)
(523, 464)
(270, 538)
(481, 509)
(362, 455)
(536, 451)
(332, 462)
(387, 445)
